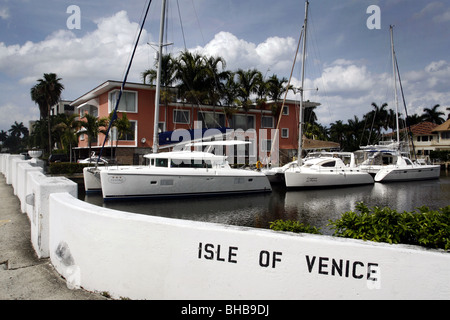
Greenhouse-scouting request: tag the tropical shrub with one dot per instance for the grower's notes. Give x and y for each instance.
(293, 226)
(66, 168)
(425, 227)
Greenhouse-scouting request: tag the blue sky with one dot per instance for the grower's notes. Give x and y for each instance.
(349, 63)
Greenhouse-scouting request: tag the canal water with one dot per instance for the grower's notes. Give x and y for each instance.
(313, 207)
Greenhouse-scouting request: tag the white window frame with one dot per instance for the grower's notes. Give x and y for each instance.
(135, 132)
(269, 117)
(211, 113)
(112, 104)
(244, 116)
(182, 110)
(287, 133)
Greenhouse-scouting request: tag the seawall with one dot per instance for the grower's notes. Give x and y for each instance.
(148, 257)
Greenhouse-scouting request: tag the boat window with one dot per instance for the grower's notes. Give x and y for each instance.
(388, 160)
(162, 163)
(408, 162)
(178, 163)
(329, 164)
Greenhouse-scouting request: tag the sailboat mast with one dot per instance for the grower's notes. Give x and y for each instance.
(395, 83)
(300, 122)
(158, 77)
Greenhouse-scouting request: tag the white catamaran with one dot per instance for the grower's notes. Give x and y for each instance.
(178, 173)
(386, 162)
(321, 170)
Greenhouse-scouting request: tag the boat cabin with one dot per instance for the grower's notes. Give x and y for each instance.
(186, 159)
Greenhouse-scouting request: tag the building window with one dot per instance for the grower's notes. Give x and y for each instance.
(128, 101)
(161, 127)
(285, 110)
(131, 136)
(181, 116)
(266, 145)
(285, 133)
(211, 119)
(445, 135)
(266, 122)
(241, 121)
(89, 109)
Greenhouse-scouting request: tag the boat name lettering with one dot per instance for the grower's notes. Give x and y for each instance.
(114, 179)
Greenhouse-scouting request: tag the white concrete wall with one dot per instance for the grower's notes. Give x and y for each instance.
(22, 182)
(29, 183)
(41, 186)
(145, 257)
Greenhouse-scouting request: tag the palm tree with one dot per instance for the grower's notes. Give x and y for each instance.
(168, 70)
(67, 126)
(3, 138)
(191, 73)
(355, 129)
(47, 92)
(3, 135)
(229, 96)
(18, 129)
(215, 76)
(248, 82)
(377, 119)
(433, 115)
(338, 131)
(123, 126)
(214, 81)
(275, 89)
(92, 126)
(38, 97)
(413, 119)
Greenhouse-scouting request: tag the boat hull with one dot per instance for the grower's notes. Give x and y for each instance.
(305, 179)
(147, 183)
(427, 172)
(91, 176)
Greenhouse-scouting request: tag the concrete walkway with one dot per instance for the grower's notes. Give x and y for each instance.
(23, 276)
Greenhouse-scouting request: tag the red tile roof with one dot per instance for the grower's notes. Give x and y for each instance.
(423, 128)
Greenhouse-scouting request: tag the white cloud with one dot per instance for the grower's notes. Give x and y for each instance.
(9, 110)
(428, 87)
(4, 13)
(82, 62)
(275, 53)
(100, 54)
(346, 87)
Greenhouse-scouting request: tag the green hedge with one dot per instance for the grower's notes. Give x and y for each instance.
(293, 226)
(424, 227)
(443, 155)
(68, 168)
